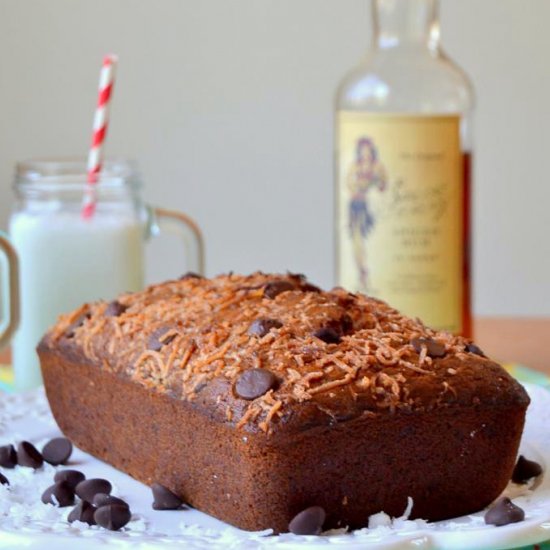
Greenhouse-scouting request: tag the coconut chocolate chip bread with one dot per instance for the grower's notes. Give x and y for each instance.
(255, 397)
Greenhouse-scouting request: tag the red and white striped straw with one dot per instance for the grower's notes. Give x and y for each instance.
(101, 122)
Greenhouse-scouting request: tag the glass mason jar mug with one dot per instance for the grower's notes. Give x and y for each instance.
(403, 163)
(65, 260)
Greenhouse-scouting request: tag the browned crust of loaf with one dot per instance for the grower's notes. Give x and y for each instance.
(451, 463)
(374, 369)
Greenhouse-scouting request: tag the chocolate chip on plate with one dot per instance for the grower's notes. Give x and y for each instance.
(112, 516)
(115, 308)
(253, 383)
(8, 456)
(59, 494)
(102, 499)
(164, 499)
(83, 512)
(4, 480)
(27, 455)
(89, 488)
(328, 335)
(434, 348)
(156, 340)
(57, 451)
(273, 289)
(308, 522)
(503, 512)
(260, 327)
(72, 477)
(472, 348)
(525, 470)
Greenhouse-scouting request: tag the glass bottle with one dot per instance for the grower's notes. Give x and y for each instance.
(403, 170)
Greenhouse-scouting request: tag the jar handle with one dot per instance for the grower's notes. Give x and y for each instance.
(171, 221)
(9, 291)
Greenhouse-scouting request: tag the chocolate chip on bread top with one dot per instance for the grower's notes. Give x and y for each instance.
(249, 349)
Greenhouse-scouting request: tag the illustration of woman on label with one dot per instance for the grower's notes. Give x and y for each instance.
(366, 173)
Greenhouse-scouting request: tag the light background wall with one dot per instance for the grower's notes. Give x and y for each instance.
(227, 105)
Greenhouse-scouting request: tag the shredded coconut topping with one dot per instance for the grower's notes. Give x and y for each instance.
(207, 343)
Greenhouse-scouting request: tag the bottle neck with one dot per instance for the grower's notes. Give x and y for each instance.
(410, 24)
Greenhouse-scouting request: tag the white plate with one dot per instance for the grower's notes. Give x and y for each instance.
(24, 521)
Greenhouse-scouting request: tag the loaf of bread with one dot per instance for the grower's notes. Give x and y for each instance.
(254, 397)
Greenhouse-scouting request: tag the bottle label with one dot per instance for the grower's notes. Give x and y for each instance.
(400, 212)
